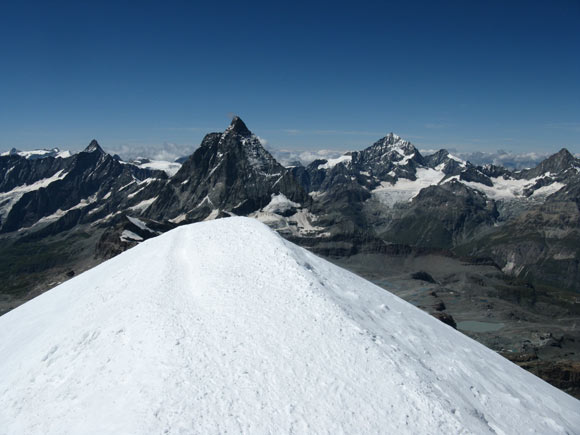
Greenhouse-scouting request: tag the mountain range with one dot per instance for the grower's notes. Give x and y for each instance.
(62, 213)
(387, 193)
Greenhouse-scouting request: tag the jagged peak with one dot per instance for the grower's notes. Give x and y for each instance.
(393, 137)
(564, 153)
(94, 147)
(238, 126)
(563, 157)
(392, 142)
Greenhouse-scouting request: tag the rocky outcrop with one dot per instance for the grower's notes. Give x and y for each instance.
(443, 216)
(230, 172)
(71, 187)
(557, 163)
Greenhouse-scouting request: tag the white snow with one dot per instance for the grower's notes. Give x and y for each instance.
(143, 204)
(178, 219)
(502, 188)
(405, 159)
(143, 183)
(300, 223)
(510, 188)
(405, 190)
(280, 204)
(331, 163)
(141, 225)
(548, 190)
(213, 214)
(8, 199)
(127, 185)
(128, 235)
(60, 212)
(224, 327)
(36, 154)
(170, 168)
(457, 159)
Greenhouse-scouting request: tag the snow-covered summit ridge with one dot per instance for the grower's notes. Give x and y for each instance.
(225, 327)
(38, 154)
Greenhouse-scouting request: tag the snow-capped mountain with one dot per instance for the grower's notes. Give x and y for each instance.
(386, 193)
(38, 154)
(86, 187)
(225, 327)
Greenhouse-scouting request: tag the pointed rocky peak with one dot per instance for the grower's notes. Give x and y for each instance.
(392, 138)
(94, 147)
(239, 127)
(393, 142)
(391, 149)
(563, 160)
(563, 154)
(237, 147)
(441, 156)
(555, 164)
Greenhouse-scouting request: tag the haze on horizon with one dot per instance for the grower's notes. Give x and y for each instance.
(150, 76)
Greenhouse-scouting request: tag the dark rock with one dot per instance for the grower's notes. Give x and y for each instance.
(230, 172)
(445, 318)
(443, 216)
(556, 163)
(474, 175)
(439, 306)
(423, 276)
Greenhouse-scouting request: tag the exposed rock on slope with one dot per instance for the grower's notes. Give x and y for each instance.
(230, 172)
(49, 188)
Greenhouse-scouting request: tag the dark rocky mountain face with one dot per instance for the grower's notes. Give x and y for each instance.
(84, 181)
(20, 171)
(540, 245)
(442, 217)
(230, 172)
(559, 163)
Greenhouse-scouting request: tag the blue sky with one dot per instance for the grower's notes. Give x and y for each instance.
(471, 75)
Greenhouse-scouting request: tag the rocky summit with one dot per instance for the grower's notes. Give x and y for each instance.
(229, 174)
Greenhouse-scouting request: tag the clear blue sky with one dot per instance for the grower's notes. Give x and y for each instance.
(466, 74)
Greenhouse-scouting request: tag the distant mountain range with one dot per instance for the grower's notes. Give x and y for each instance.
(61, 213)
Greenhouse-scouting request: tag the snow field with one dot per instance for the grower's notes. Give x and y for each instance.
(223, 326)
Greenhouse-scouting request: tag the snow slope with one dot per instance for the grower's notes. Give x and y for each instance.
(170, 168)
(223, 326)
(404, 190)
